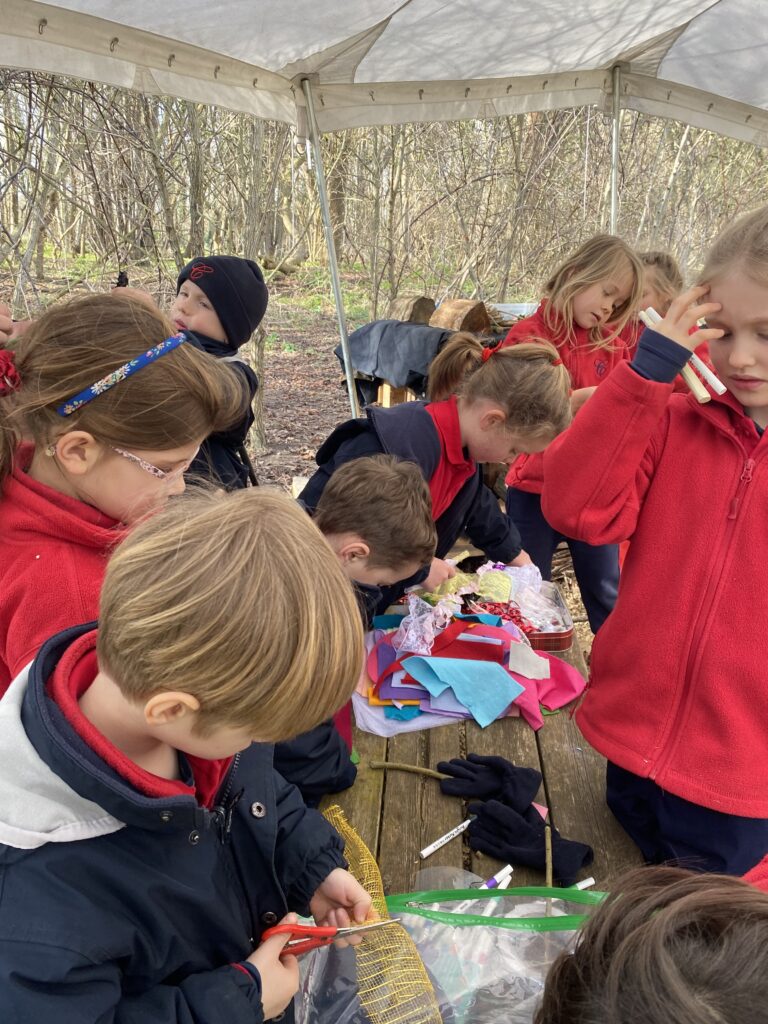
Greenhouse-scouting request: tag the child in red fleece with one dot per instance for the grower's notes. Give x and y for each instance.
(677, 695)
(587, 313)
(102, 408)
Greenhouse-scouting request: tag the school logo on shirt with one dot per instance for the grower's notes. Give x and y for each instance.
(600, 367)
(200, 270)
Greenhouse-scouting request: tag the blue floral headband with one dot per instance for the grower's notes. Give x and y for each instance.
(126, 370)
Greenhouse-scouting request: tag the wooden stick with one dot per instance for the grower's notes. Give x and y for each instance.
(414, 768)
(650, 318)
(548, 854)
(700, 393)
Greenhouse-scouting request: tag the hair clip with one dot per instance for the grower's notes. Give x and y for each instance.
(121, 373)
(9, 376)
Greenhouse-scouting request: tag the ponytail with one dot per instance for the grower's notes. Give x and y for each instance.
(179, 399)
(527, 381)
(457, 358)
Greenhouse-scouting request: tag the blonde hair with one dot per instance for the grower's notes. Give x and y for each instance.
(386, 502)
(182, 397)
(741, 246)
(598, 259)
(666, 947)
(667, 276)
(238, 600)
(527, 381)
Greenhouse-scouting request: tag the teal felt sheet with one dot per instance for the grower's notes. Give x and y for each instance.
(484, 688)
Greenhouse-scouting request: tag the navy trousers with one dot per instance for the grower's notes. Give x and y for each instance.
(669, 829)
(596, 567)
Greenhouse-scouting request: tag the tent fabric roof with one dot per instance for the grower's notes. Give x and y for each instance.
(395, 61)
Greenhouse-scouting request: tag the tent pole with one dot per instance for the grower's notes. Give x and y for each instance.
(615, 138)
(333, 265)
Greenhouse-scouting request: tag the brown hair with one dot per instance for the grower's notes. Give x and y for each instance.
(666, 272)
(598, 259)
(666, 947)
(527, 381)
(182, 397)
(742, 246)
(387, 503)
(238, 600)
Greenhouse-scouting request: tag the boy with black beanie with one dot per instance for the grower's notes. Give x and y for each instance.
(220, 301)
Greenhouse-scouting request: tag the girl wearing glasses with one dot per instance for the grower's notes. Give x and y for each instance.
(102, 409)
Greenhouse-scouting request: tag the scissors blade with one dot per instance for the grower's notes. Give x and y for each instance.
(353, 929)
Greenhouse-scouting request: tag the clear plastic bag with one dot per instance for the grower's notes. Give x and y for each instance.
(487, 957)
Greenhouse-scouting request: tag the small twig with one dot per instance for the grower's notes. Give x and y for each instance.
(400, 767)
(548, 854)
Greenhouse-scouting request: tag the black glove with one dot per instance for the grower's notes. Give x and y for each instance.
(490, 778)
(516, 838)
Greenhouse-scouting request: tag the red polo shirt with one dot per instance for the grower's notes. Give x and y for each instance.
(455, 466)
(72, 676)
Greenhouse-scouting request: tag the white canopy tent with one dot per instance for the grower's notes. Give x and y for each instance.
(325, 65)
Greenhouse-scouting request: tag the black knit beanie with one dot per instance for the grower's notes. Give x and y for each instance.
(236, 289)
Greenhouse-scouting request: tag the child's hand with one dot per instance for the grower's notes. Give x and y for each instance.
(439, 572)
(682, 316)
(522, 559)
(279, 977)
(340, 901)
(579, 397)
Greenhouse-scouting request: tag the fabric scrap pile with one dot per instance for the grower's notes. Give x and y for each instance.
(440, 664)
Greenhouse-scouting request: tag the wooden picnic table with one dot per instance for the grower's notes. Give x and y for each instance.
(399, 813)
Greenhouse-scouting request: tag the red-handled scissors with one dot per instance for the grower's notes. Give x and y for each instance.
(310, 936)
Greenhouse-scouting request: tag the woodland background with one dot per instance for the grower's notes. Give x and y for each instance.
(94, 180)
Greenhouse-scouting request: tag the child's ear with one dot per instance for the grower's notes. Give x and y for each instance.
(353, 550)
(492, 418)
(169, 707)
(76, 451)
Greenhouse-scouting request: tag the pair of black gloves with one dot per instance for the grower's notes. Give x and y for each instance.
(506, 825)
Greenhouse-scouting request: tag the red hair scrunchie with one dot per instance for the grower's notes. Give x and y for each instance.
(9, 375)
(488, 352)
(557, 362)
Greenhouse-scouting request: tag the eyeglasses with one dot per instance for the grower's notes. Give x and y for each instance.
(169, 476)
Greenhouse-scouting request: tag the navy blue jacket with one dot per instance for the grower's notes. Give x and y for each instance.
(408, 432)
(318, 761)
(122, 908)
(219, 458)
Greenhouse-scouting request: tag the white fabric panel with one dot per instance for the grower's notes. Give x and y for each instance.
(391, 61)
(269, 33)
(724, 51)
(465, 39)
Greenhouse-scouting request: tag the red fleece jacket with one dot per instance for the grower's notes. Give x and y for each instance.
(678, 689)
(587, 364)
(54, 554)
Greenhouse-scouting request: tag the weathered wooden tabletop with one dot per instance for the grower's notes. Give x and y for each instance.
(398, 813)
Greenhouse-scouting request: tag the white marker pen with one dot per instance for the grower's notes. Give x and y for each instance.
(429, 850)
(498, 878)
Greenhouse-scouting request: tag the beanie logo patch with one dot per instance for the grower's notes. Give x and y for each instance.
(200, 270)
